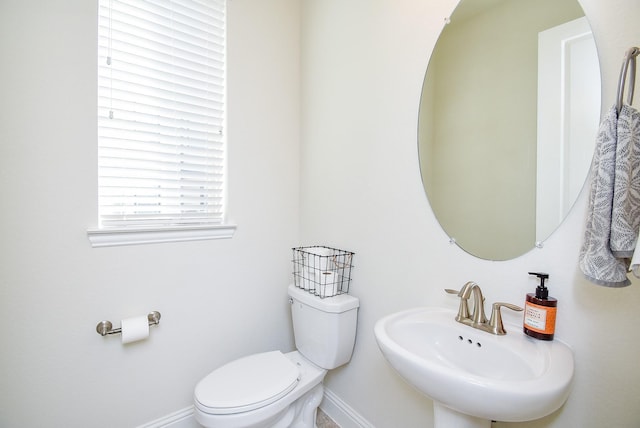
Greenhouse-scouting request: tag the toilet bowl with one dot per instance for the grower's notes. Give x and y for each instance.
(276, 390)
(234, 396)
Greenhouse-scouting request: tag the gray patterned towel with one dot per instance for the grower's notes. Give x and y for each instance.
(613, 219)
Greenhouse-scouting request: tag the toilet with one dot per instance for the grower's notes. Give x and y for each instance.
(277, 390)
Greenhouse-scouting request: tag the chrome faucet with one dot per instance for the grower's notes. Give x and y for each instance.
(477, 318)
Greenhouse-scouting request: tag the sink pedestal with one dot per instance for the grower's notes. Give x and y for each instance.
(444, 417)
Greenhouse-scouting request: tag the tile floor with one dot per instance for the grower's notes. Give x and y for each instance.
(323, 421)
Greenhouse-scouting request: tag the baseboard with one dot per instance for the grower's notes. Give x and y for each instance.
(181, 419)
(343, 414)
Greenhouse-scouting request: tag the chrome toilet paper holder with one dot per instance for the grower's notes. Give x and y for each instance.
(105, 327)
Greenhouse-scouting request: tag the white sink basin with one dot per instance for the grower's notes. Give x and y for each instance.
(509, 378)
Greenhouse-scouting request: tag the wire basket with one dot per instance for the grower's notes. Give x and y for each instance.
(323, 271)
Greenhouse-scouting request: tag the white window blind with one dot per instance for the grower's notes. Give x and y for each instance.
(161, 104)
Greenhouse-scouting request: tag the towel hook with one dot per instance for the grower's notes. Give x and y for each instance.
(629, 60)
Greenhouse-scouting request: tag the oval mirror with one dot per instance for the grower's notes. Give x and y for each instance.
(508, 120)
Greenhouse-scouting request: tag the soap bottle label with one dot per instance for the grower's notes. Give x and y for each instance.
(540, 318)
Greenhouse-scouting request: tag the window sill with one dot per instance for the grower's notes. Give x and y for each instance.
(119, 237)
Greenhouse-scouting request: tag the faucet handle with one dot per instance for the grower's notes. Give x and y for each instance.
(463, 310)
(508, 305)
(495, 323)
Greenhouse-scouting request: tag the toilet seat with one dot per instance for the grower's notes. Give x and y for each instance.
(247, 383)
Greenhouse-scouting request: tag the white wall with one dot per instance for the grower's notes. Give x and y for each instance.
(218, 299)
(363, 65)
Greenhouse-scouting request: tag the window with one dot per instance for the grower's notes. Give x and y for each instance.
(161, 117)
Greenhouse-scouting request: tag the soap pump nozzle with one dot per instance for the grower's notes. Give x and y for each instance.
(542, 292)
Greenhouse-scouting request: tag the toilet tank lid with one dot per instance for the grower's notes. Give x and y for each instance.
(334, 304)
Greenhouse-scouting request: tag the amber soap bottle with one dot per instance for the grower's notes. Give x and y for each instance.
(540, 311)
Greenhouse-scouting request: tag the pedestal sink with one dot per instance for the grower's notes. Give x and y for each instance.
(473, 376)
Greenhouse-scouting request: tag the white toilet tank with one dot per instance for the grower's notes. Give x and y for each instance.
(324, 329)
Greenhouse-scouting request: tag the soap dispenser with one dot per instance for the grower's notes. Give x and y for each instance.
(540, 311)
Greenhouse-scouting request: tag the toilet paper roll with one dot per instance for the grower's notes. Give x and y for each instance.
(319, 258)
(134, 329)
(308, 281)
(328, 283)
